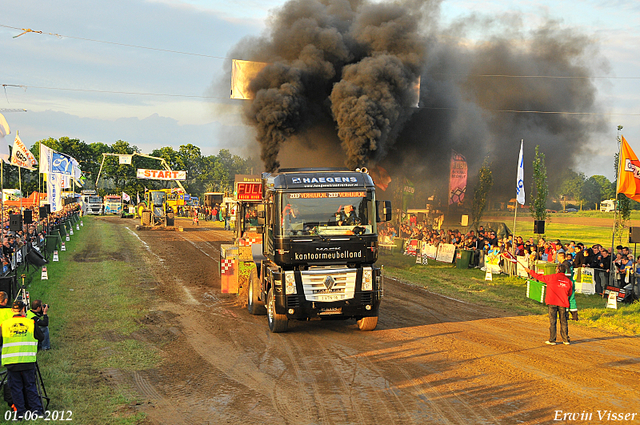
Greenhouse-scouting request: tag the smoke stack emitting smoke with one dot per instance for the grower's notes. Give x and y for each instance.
(353, 64)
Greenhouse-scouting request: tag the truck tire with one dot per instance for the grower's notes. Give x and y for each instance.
(139, 208)
(145, 219)
(254, 305)
(368, 323)
(277, 322)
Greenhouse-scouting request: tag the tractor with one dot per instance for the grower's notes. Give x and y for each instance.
(154, 210)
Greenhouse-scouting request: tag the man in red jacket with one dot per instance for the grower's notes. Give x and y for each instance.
(557, 295)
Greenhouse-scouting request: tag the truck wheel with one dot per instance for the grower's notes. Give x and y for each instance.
(277, 322)
(139, 208)
(145, 219)
(254, 305)
(368, 323)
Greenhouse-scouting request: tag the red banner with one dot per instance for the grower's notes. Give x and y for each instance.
(457, 178)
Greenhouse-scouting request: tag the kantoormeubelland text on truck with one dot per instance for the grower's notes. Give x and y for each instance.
(319, 248)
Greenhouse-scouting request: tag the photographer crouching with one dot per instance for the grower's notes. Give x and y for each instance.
(38, 313)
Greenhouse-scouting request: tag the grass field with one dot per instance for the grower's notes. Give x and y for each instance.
(588, 235)
(93, 312)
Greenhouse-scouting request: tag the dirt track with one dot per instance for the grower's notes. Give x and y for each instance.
(431, 359)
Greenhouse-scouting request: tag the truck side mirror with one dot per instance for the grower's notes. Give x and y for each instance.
(261, 214)
(387, 211)
(383, 211)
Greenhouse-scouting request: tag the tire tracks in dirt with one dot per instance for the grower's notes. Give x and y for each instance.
(432, 359)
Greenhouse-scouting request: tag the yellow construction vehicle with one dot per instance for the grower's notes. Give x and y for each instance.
(155, 210)
(175, 198)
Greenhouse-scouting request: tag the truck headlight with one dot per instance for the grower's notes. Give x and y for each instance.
(367, 280)
(290, 283)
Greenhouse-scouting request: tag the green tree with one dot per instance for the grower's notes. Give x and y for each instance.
(570, 189)
(591, 193)
(117, 177)
(607, 189)
(192, 160)
(540, 193)
(480, 193)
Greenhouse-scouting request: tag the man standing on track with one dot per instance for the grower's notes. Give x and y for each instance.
(557, 298)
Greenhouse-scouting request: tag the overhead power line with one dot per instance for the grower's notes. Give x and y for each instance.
(136, 46)
(513, 111)
(25, 87)
(29, 30)
(523, 111)
(554, 77)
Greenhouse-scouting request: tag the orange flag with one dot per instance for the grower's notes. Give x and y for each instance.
(629, 176)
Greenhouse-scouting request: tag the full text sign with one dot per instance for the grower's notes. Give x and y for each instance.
(161, 174)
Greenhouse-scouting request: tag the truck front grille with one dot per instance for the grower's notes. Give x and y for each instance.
(326, 285)
(293, 301)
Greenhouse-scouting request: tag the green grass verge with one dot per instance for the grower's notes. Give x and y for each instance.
(89, 299)
(504, 292)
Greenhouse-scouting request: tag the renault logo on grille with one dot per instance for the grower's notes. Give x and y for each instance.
(329, 282)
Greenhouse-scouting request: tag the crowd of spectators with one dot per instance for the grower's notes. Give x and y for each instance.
(207, 213)
(17, 244)
(573, 254)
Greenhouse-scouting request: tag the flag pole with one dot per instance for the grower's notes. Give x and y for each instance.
(20, 185)
(513, 246)
(615, 213)
(515, 212)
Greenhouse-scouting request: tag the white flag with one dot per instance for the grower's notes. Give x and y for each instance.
(46, 154)
(4, 146)
(21, 156)
(520, 179)
(54, 191)
(125, 197)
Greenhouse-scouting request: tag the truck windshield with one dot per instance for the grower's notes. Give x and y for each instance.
(326, 213)
(95, 200)
(157, 198)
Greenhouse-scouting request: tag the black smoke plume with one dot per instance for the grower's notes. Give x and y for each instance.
(344, 71)
(353, 61)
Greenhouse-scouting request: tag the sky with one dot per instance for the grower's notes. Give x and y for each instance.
(153, 73)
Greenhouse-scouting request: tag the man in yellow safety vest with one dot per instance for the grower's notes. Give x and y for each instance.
(19, 337)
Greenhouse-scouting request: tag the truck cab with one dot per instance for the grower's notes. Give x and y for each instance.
(91, 202)
(320, 245)
(112, 204)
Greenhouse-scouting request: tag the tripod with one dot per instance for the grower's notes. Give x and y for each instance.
(22, 293)
(42, 391)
